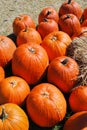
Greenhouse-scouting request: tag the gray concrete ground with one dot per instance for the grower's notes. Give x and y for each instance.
(9, 9)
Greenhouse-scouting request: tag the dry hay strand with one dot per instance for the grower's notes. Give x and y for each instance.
(78, 51)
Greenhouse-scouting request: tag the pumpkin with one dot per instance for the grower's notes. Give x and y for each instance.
(85, 13)
(2, 73)
(46, 105)
(12, 117)
(70, 24)
(21, 21)
(84, 23)
(77, 121)
(47, 26)
(72, 7)
(28, 35)
(48, 12)
(13, 89)
(30, 61)
(77, 99)
(63, 72)
(7, 48)
(56, 43)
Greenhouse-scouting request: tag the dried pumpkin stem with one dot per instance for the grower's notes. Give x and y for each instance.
(49, 12)
(64, 62)
(69, 1)
(45, 20)
(3, 115)
(67, 16)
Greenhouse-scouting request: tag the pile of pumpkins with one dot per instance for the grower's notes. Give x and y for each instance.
(42, 75)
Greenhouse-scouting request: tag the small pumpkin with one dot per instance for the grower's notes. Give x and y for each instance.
(2, 73)
(21, 21)
(72, 7)
(77, 99)
(63, 72)
(30, 61)
(56, 44)
(48, 12)
(70, 24)
(13, 89)
(7, 48)
(12, 117)
(46, 105)
(28, 35)
(77, 121)
(47, 26)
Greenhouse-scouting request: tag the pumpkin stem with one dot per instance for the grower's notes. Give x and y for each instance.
(45, 94)
(67, 16)
(26, 28)
(3, 115)
(13, 83)
(32, 50)
(54, 38)
(64, 62)
(69, 1)
(49, 12)
(45, 20)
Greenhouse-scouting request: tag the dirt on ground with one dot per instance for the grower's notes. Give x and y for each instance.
(12, 8)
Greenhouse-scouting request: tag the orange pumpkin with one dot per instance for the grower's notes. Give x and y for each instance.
(46, 105)
(56, 44)
(77, 99)
(85, 13)
(13, 89)
(70, 24)
(7, 48)
(12, 117)
(30, 62)
(21, 21)
(71, 7)
(63, 72)
(84, 23)
(47, 26)
(28, 35)
(49, 13)
(77, 121)
(2, 73)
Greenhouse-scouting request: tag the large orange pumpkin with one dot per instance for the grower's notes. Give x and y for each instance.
(2, 73)
(7, 48)
(13, 89)
(78, 99)
(47, 26)
(70, 24)
(71, 7)
(46, 105)
(49, 13)
(12, 117)
(56, 44)
(77, 121)
(30, 61)
(63, 72)
(21, 21)
(28, 35)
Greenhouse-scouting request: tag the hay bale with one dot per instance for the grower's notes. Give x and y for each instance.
(78, 51)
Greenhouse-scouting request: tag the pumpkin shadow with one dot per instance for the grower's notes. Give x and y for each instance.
(13, 37)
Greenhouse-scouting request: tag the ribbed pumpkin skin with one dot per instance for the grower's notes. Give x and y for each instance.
(78, 99)
(2, 73)
(13, 89)
(70, 24)
(49, 13)
(16, 118)
(28, 35)
(21, 21)
(72, 7)
(77, 121)
(46, 105)
(56, 44)
(30, 62)
(7, 48)
(63, 72)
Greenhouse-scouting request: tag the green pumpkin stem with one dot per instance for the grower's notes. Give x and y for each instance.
(3, 115)
(69, 1)
(64, 62)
